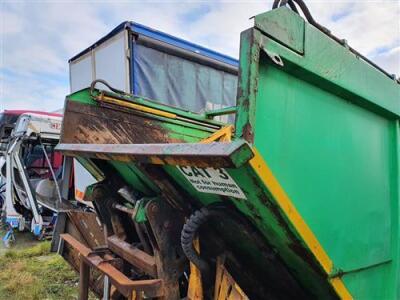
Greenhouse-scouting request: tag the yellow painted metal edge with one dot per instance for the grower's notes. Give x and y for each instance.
(226, 288)
(135, 106)
(340, 288)
(267, 177)
(195, 288)
(223, 135)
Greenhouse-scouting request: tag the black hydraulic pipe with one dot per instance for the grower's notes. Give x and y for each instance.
(189, 232)
(311, 20)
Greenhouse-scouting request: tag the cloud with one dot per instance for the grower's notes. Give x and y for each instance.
(38, 38)
(27, 92)
(220, 28)
(368, 26)
(389, 60)
(371, 26)
(14, 23)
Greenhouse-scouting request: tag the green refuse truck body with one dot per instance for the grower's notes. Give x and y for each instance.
(303, 188)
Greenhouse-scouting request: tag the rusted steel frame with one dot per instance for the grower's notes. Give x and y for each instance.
(172, 149)
(72, 256)
(233, 154)
(133, 255)
(103, 199)
(88, 227)
(130, 211)
(165, 226)
(172, 194)
(248, 83)
(152, 287)
(84, 276)
(81, 248)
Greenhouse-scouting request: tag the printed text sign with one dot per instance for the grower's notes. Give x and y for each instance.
(213, 181)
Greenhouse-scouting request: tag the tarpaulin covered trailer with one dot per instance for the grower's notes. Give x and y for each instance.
(155, 65)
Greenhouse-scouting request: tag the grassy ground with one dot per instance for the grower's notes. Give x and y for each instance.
(29, 271)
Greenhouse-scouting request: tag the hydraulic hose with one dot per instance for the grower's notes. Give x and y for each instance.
(94, 82)
(189, 233)
(304, 9)
(279, 3)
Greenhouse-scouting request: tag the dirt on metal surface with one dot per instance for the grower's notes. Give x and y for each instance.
(89, 227)
(215, 155)
(97, 125)
(152, 287)
(133, 255)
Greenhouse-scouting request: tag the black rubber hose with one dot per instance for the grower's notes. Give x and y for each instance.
(311, 20)
(293, 6)
(279, 3)
(304, 9)
(94, 82)
(189, 233)
(275, 4)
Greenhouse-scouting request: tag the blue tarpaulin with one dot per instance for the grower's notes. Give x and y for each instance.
(180, 82)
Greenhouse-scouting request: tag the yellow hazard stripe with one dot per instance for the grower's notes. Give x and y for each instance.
(340, 288)
(135, 106)
(264, 172)
(223, 135)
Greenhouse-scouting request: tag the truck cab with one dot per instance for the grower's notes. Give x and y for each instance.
(31, 170)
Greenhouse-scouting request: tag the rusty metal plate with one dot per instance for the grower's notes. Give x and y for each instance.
(216, 155)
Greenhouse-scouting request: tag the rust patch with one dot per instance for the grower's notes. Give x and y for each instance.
(88, 227)
(73, 257)
(171, 193)
(248, 133)
(99, 125)
(246, 104)
(295, 243)
(104, 263)
(183, 154)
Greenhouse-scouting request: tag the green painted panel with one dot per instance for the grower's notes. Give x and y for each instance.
(332, 66)
(371, 284)
(333, 158)
(132, 175)
(82, 96)
(284, 26)
(327, 124)
(261, 209)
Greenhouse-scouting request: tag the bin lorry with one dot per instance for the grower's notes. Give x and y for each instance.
(295, 196)
(32, 173)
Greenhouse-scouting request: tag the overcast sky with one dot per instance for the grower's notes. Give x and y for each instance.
(38, 37)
